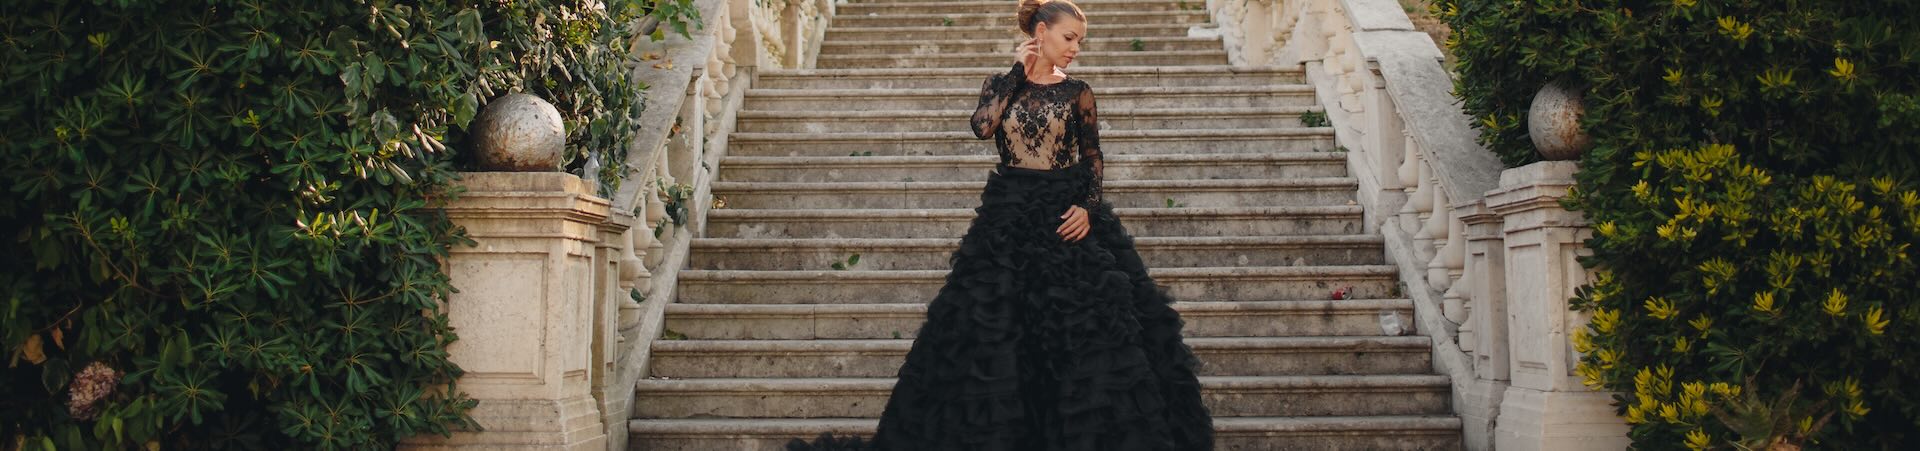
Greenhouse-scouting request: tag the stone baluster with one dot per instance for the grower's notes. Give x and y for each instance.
(1423, 205)
(656, 212)
(1409, 176)
(1439, 229)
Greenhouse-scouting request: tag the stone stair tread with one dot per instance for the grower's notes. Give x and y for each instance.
(952, 114)
(809, 427)
(1221, 383)
(883, 213)
(846, 162)
(920, 309)
(985, 71)
(1361, 343)
(739, 137)
(788, 187)
(1087, 55)
(857, 43)
(947, 243)
(843, 94)
(1117, 29)
(743, 275)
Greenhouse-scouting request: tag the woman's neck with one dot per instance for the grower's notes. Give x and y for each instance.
(1043, 72)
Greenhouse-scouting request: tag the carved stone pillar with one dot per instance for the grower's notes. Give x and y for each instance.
(524, 310)
(1545, 406)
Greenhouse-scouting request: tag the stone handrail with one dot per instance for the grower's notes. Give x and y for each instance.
(551, 307)
(1487, 254)
(684, 137)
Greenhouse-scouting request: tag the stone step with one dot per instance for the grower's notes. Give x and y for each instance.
(1249, 283)
(974, 168)
(896, 32)
(1422, 432)
(1219, 356)
(878, 254)
(996, 59)
(1350, 317)
(1120, 192)
(1005, 47)
(1005, 18)
(969, 98)
(1242, 396)
(957, 121)
(1124, 142)
(953, 222)
(1001, 7)
(1102, 78)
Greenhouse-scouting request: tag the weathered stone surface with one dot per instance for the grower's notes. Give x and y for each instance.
(519, 132)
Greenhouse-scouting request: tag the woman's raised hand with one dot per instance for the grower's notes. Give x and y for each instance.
(1027, 53)
(1076, 226)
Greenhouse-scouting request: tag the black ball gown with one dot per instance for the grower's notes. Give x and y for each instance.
(1036, 343)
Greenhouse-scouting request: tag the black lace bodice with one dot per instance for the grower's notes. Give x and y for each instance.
(1041, 126)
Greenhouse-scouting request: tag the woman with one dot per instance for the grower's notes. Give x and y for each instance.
(1048, 334)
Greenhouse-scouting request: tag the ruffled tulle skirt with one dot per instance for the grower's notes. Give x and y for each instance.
(1039, 344)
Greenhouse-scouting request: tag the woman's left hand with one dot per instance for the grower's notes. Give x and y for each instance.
(1076, 225)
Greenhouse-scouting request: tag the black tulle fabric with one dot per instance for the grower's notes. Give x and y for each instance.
(1036, 343)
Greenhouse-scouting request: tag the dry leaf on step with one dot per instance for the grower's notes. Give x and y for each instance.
(649, 56)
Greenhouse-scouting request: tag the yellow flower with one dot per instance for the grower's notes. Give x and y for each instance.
(1642, 190)
(1635, 415)
(1842, 69)
(1590, 375)
(1858, 408)
(1669, 412)
(1604, 320)
(1836, 304)
(1606, 229)
(1724, 390)
(1763, 302)
(1875, 325)
(1703, 323)
(1582, 341)
(1661, 308)
(1734, 29)
(1684, 3)
(1698, 440)
(1681, 345)
(1712, 104)
(1674, 76)
(1608, 357)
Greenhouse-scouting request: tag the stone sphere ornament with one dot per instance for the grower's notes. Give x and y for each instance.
(519, 133)
(1554, 122)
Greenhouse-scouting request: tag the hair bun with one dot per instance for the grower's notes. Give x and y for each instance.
(1024, 16)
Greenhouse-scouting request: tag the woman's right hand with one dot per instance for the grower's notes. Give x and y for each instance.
(1027, 53)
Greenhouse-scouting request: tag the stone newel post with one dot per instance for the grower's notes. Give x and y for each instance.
(524, 309)
(1545, 406)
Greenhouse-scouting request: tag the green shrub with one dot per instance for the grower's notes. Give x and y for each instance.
(1752, 189)
(223, 214)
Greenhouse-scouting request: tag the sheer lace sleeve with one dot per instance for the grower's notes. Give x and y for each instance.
(995, 94)
(1088, 130)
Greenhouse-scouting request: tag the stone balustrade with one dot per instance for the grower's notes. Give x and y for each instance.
(1487, 253)
(551, 310)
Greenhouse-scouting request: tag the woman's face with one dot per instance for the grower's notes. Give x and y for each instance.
(1060, 41)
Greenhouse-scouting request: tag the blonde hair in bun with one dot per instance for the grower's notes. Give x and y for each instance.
(1033, 12)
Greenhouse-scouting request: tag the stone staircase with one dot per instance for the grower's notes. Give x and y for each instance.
(1242, 213)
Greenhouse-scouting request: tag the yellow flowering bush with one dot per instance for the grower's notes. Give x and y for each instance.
(1753, 192)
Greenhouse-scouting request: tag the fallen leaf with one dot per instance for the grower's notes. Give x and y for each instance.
(32, 350)
(649, 56)
(59, 338)
(664, 65)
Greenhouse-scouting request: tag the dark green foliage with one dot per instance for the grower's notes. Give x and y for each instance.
(1753, 193)
(227, 209)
